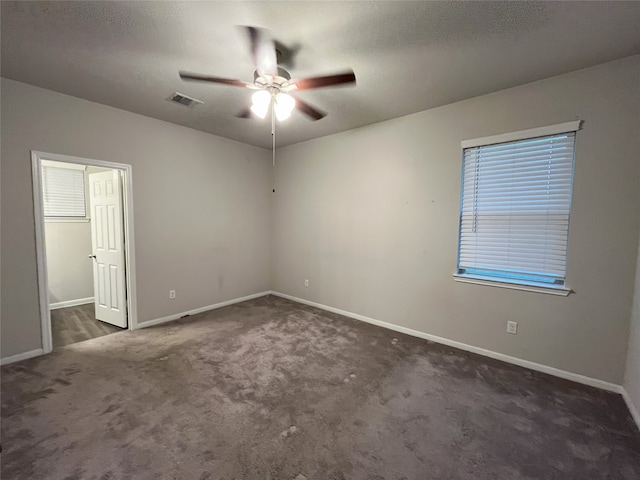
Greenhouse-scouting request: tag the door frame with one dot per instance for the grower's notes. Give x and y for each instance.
(41, 252)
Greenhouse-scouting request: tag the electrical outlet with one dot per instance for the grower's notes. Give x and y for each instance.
(172, 294)
(306, 282)
(512, 327)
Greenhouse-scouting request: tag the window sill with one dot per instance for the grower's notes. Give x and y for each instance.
(66, 220)
(478, 280)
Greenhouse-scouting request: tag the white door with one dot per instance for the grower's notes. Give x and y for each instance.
(105, 201)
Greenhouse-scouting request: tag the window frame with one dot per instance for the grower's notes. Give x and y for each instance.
(514, 283)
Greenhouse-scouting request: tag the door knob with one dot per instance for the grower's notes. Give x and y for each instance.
(92, 256)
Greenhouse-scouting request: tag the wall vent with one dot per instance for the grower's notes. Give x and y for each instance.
(184, 100)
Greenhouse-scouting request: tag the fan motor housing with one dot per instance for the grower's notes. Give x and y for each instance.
(282, 77)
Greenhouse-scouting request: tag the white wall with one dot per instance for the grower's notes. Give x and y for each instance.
(370, 217)
(201, 206)
(69, 269)
(632, 375)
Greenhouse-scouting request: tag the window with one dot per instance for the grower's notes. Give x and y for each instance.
(63, 192)
(515, 207)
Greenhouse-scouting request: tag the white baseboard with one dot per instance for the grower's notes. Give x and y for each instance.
(556, 372)
(158, 321)
(21, 356)
(71, 303)
(632, 408)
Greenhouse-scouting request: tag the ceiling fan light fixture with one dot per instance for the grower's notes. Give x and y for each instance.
(261, 101)
(284, 105)
(282, 115)
(259, 110)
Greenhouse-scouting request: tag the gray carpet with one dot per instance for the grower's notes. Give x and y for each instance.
(270, 389)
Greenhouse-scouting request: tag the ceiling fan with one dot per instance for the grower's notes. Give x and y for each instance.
(273, 84)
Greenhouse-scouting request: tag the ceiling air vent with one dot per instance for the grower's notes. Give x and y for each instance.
(184, 100)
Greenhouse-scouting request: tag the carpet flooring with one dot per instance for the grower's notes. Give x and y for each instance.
(270, 389)
(77, 324)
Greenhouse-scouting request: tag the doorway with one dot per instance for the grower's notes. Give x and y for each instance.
(84, 240)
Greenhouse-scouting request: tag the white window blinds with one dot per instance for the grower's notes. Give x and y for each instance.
(63, 192)
(515, 206)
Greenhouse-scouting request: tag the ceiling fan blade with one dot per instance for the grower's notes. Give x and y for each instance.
(263, 51)
(312, 112)
(326, 81)
(286, 54)
(208, 78)
(246, 113)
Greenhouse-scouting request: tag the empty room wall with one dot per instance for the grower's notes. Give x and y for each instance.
(370, 217)
(201, 206)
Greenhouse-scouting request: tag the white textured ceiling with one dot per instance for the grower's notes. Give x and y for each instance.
(407, 56)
